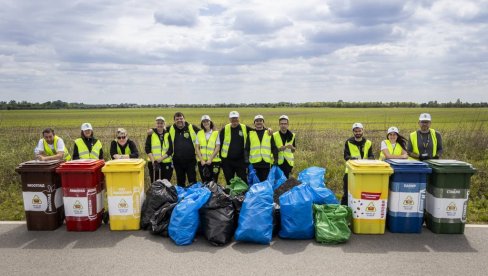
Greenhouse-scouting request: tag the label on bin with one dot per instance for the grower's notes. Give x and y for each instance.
(446, 208)
(90, 205)
(406, 202)
(120, 205)
(366, 208)
(43, 201)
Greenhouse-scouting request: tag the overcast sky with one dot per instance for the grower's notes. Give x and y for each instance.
(221, 51)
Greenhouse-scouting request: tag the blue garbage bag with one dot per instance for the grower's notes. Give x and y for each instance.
(323, 196)
(256, 216)
(252, 177)
(314, 176)
(185, 219)
(183, 192)
(296, 213)
(276, 177)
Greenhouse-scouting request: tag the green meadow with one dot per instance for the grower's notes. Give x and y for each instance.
(321, 133)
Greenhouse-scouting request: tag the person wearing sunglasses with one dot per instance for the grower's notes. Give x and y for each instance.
(425, 143)
(123, 147)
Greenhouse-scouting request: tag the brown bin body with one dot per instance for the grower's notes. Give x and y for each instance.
(42, 194)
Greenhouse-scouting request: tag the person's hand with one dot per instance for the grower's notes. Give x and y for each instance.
(290, 146)
(159, 159)
(202, 162)
(282, 148)
(41, 158)
(209, 162)
(117, 156)
(270, 131)
(155, 164)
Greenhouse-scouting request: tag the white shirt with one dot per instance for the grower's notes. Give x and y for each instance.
(384, 146)
(40, 146)
(207, 136)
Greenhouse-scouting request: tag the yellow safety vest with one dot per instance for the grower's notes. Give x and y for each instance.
(225, 147)
(127, 150)
(193, 135)
(259, 150)
(354, 150)
(159, 150)
(286, 154)
(415, 145)
(207, 147)
(49, 152)
(83, 149)
(396, 151)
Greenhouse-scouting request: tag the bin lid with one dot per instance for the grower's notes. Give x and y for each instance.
(38, 166)
(450, 166)
(81, 165)
(124, 165)
(367, 166)
(408, 165)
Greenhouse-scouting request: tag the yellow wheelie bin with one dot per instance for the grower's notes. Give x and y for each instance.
(368, 195)
(125, 192)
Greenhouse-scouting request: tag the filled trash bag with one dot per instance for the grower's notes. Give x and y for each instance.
(323, 196)
(256, 216)
(183, 192)
(314, 176)
(237, 202)
(218, 216)
(276, 177)
(332, 223)
(160, 192)
(285, 187)
(237, 186)
(160, 219)
(185, 219)
(252, 177)
(296, 213)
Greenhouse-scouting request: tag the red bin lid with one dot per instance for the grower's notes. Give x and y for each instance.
(81, 165)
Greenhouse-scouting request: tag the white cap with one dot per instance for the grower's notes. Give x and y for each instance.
(284, 117)
(86, 126)
(258, 117)
(234, 114)
(357, 125)
(206, 117)
(160, 118)
(425, 117)
(392, 129)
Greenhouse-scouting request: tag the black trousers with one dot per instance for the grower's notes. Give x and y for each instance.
(185, 169)
(166, 170)
(213, 172)
(262, 173)
(286, 168)
(232, 167)
(344, 187)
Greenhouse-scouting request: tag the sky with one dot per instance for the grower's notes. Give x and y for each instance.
(251, 51)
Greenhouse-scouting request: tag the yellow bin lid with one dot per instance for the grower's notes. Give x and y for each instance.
(124, 165)
(367, 166)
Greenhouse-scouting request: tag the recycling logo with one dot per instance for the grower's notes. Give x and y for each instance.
(451, 207)
(408, 201)
(371, 207)
(36, 200)
(123, 206)
(77, 205)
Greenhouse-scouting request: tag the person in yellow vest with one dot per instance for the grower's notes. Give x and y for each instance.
(51, 147)
(207, 147)
(184, 136)
(356, 147)
(261, 147)
(425, 143)
(395, 145)
(87, 147)
(123, 147)
(285, 144)
(159, 149)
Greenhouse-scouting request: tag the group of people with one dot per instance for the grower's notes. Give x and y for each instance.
(185, 147)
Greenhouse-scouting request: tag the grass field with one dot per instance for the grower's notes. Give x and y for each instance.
(321, 133)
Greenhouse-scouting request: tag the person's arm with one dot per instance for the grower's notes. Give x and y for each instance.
(274, 150)
(195, 128)
(410, 150)
(370, 152)
(101, 154)
(292, 145)
(199, 154)
(439, 144)
(347, 153)
(76, 155)
(134, 152)
(113, 150)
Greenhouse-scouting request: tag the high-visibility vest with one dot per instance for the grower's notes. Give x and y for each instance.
(393, 151)
(49, 152)
(83, 151)
(159, 150)
(286, 154)
(355, 152)
(193, 135)
(415, 145)
(225, 146)
(207, 147)
(127, 150)
(259, 150)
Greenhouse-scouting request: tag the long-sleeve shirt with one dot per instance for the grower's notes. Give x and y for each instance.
(236, 147)
(148, 144)
(183, 148)
(134, 152)
(274, 149)
(89, 142)
(425, 144)
(360, 145)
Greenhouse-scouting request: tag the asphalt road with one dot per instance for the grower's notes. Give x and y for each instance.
(106, 252)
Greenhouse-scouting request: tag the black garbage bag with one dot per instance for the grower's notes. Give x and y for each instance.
(160, 192)
(237, 202)
(276, 219)
(160, 219)
(218, 216)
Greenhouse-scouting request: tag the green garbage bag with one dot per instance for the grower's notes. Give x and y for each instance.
(237, 186)
(332, 223)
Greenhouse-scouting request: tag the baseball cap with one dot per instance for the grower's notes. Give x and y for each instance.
(392, 129)
(258, 117)
(160, 118)
(357, 125)
(283, 117)
(234, 114)
(86, 126)
(206, 117)
(425, 117)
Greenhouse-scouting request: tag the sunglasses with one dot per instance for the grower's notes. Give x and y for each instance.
(121, 137)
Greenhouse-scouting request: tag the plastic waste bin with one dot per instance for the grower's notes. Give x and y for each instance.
(42, 194)
(82, 182)
(446, 202)
(407, 195)
(368, 195)
(125, 192)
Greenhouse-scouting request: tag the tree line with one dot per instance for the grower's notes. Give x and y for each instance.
(23, 105)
